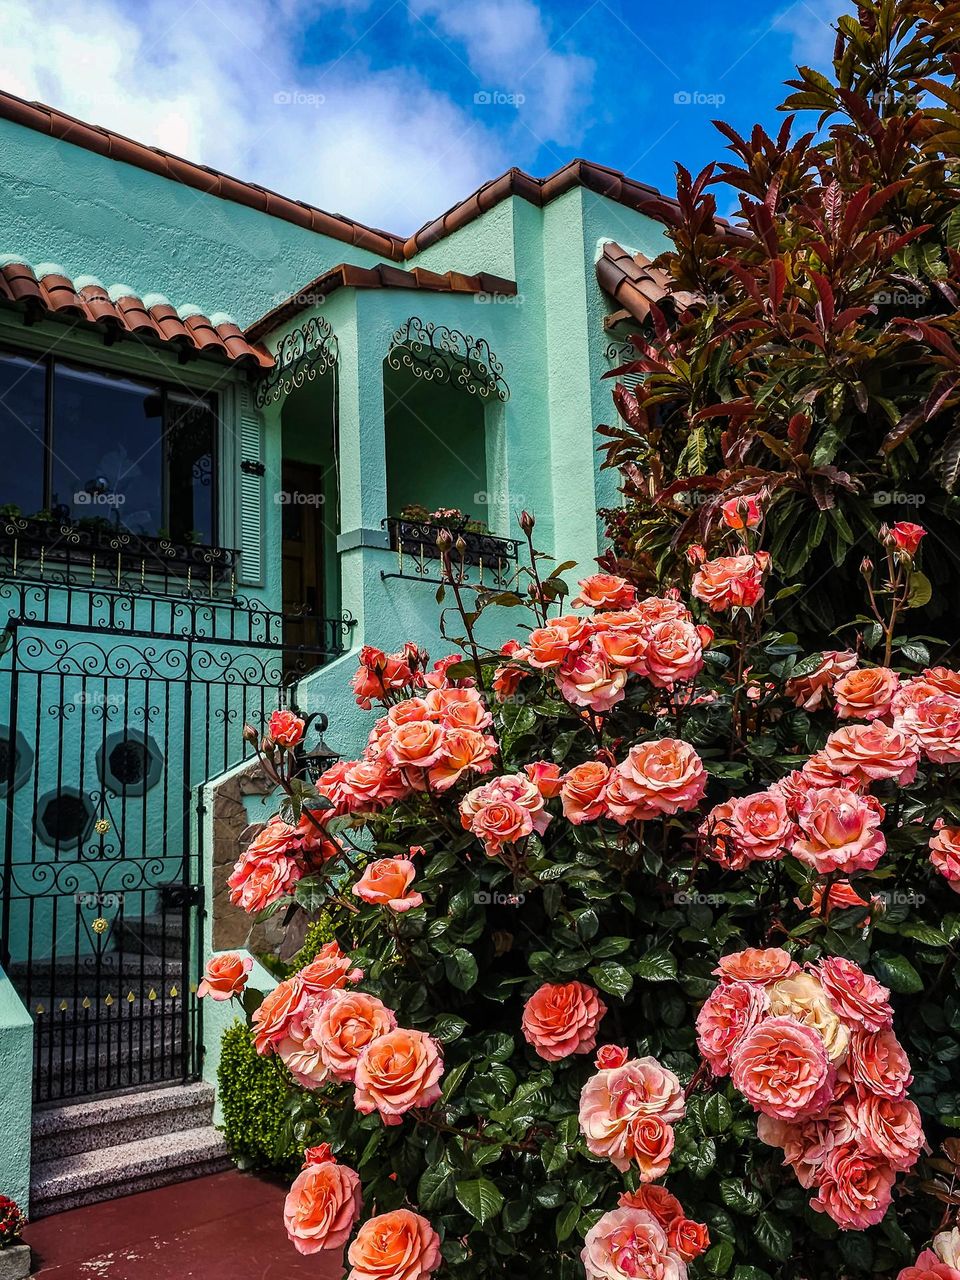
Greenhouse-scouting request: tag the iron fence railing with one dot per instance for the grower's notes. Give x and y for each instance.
(477, 559)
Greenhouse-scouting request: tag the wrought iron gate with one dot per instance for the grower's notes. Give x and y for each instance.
(114, 709)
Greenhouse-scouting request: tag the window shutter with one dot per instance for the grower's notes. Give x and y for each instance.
(251, 491)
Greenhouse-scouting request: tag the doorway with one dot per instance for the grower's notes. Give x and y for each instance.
(303, 551)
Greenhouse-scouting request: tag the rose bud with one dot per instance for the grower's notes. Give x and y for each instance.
(610, 1056)
(905, 537)
(527, 522)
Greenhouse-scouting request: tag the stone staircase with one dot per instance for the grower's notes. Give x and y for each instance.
(102, 1148)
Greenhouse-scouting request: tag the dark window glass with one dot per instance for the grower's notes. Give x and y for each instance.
(22, 412)
(191, 423)
(107, 451)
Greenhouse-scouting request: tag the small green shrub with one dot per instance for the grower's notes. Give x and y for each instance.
(254, 1092)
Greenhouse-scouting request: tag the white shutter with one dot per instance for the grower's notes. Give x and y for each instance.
(251, 491)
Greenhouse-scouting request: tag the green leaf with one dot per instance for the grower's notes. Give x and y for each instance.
(719, 1259)
(656, 966)
(480, 1198)
(717, 1113)
(612, 977)
(921, 590)
(435, 1186)
(774, 1236)
(461, 969)
(448, 1027)
(567, 1221)
(897, 973)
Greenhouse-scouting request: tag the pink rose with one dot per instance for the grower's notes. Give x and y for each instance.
(945, 853)
(878, 1064)
(322, 1206)
(561, 1019)
(280, 1008)
(387, 883)
(610, 1055)
(840, 831)
(344, 1024)
(856, 997)
(330, 969)
(729, 1012)
(257, 881)
(782, 1069)
(629, 1244)
(889, 1128)
(870, 752)
(545, 776)
(674, 652)
(587, 679)
(935, 722)
(299, 1052)
(855, 1189)
(613, 1102)
(906, 537)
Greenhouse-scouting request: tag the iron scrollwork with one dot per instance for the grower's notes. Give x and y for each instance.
(304, 354)
(437, 353)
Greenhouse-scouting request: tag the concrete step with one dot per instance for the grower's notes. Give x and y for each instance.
(114, 967)
(110, 1171)
(76, 1127)
(153, 933)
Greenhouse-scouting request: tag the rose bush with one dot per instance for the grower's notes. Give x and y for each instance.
(645, 963)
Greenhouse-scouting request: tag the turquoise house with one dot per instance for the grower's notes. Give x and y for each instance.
(228, 420)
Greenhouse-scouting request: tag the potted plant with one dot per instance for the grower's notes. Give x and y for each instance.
(14, 1254)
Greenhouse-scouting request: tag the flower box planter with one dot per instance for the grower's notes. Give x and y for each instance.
(15, 1262)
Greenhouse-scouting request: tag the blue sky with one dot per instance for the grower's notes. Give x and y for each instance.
(391, 110)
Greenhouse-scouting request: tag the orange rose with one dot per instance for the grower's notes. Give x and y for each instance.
(417, 745)
(756, 964)
(330, 968)
(652, 1142)
(344, 1025)
(286, 728)
(810, 691)
(582, 791)
(394, 1246)
(866, 693)
(396, 1072)
(561, 1019)
(322, 1206)
(463, 751)
(458, 708)
(545, 776)
(688, 1238)
(386, 883)
(548, 646)
(731, 582)
(660, 777)
(225, 975)
(877, 1063)
(605, 591)
(657, 1200)
(256, 882)
(280, 1007)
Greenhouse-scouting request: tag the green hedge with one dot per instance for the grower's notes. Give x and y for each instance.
(254, 1092)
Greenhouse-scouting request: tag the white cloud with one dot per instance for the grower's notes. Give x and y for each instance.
(509, 47)
(810, 25)
(220, 82)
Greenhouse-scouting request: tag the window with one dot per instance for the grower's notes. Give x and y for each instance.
(106, 451)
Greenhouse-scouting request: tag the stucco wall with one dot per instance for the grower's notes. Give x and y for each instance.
(16, 1074)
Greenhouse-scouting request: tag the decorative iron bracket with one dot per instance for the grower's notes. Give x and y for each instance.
(437, 353)
(305, 353)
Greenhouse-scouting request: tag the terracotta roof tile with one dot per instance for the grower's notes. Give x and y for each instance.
(635, 283)
(47, 289)
(383, 276)
(515, 182)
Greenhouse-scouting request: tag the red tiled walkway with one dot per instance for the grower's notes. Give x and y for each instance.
(225, 1227)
